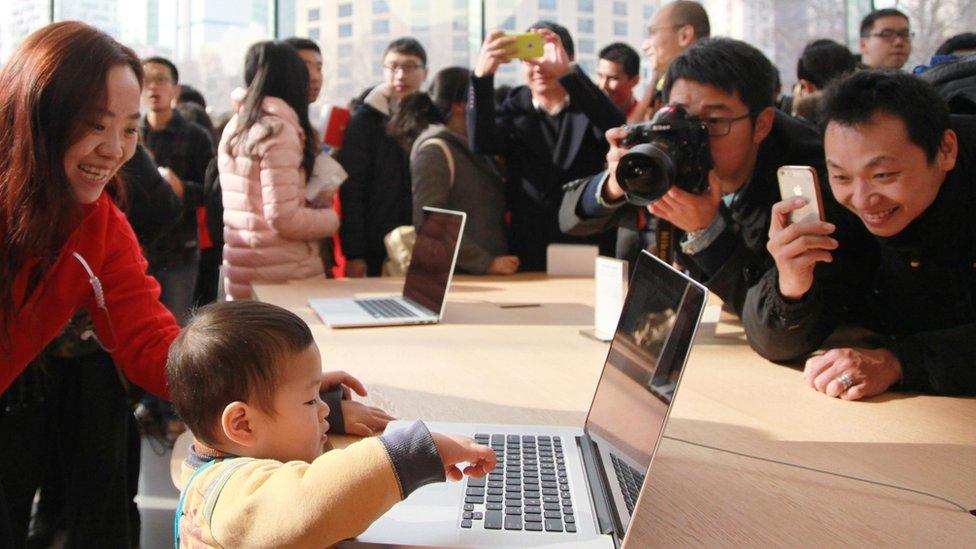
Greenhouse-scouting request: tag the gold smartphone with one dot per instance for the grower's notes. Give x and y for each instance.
(529, 44)
(801, 181)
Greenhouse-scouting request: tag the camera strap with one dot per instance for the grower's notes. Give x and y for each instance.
(665, 241)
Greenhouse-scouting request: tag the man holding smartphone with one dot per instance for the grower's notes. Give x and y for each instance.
(549, 131)
(721, 233)
(908, 171)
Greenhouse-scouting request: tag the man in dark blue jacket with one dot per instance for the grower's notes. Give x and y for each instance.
(908, 171)
(549, 132)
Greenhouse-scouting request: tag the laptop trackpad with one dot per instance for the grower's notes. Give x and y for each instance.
(430, 515)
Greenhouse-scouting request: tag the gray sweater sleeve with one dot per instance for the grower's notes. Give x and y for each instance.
(431, 177)
(414, 457)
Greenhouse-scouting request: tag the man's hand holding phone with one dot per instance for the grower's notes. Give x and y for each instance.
(540, 47)
(797, 247)
(554, 60)
(497, 49)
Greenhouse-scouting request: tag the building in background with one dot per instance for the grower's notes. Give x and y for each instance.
(354, 33)
(208, 38)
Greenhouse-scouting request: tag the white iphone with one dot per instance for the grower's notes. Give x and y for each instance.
(801, 181)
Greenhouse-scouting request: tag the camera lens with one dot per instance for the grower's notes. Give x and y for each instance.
(645, 173)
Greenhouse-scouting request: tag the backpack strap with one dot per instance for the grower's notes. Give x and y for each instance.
(447, 153)
(210, 494)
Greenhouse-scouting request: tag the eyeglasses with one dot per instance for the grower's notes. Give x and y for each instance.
(719, 126)
(158, 80)
(889, 35)
(407, 68)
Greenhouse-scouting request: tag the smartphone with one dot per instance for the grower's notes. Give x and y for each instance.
(801, 181)
(529, 44)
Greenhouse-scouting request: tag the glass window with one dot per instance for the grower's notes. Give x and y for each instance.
(508, 24)
(345, 30)
(344, 68)
(586, 45)
(314, 34)
(381, 26)
(419, 5)
(620, 28)
(459, 24)
(620, 8)
(586, 6)
(588, 66)
(547, 4)
(648, 12)
(345, 51)
(461, 4)
(379, 48)
(380, 6)
(314, 14)
(585, 25)
(345, 10)
(460, 44)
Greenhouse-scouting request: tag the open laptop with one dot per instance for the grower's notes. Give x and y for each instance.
(566, 486)
(425, 289)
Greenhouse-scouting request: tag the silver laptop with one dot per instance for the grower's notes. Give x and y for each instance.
(425, 289)
(566, 486)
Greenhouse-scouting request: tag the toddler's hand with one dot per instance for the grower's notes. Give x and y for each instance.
(455, 449)
(363, 420)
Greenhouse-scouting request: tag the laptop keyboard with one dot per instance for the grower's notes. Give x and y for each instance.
(385, 308)
(528, 489)
(630, 480)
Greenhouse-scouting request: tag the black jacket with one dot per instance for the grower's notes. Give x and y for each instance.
(917, 289)
(186, 148)
(737, 258)
(539, 165)
(376, 198)
(151, 205)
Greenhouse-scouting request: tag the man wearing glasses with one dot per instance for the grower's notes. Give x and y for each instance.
(721, 234)
(886, 40)
(377, 198)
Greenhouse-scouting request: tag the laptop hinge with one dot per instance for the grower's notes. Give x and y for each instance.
(418, 306)
(598, 491)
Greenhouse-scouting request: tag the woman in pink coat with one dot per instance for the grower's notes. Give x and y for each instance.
(271, 232)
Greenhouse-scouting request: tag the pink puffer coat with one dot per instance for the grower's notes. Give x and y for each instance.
(271, 234)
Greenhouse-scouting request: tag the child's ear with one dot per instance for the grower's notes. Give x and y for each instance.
(237, 423)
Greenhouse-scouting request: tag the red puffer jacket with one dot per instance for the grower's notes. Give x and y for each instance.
(131, 323)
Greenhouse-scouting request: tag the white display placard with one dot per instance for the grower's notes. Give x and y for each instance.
(570, 259)
(611, 290)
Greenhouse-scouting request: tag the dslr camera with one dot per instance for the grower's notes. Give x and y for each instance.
(670, 150)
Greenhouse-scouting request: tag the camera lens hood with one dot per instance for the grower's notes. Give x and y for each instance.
(645, 173)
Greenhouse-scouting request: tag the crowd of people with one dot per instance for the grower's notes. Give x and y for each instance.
(124, 208)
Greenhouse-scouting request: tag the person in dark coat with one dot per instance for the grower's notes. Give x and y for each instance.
(549, 132)
(721, 233)
(376, 198)
(908, 171)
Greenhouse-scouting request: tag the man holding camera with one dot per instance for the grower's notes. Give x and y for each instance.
(906, 169)
(726, 86)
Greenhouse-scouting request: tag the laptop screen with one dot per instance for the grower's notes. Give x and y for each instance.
(433, 258)
(630, 406)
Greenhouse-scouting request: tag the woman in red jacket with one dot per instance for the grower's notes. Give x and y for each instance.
(69, 106)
